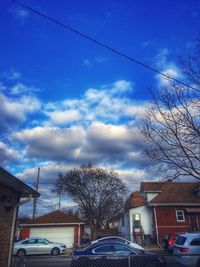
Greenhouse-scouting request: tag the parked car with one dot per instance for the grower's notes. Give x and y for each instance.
(31, 246)
(168, 242)
(115, 254)
(117, 239)
(187, 249)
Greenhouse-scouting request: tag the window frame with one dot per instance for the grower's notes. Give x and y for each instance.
(195, 242)
(182, 214)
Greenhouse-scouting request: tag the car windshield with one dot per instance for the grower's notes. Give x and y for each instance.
(180, 240)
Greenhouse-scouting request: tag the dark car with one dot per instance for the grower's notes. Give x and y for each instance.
(117, 239)
(115, 254)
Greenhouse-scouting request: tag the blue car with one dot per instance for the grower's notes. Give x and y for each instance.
(115, 254)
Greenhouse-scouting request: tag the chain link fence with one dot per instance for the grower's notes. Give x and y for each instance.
(107, 261)
(115, 261)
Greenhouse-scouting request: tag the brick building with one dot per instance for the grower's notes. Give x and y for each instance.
(160, 208)
(11, 191)
(175, 206)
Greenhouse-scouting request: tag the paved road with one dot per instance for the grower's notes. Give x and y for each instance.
(63, 261)
(43, 261)
(172, 263)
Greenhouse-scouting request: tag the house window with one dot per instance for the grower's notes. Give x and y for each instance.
(136, 221)
(180, 216)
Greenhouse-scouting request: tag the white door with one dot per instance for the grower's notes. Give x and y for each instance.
(55, 234)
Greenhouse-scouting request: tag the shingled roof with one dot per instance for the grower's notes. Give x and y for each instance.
(173, 193)
(151, 186)
(55, 217)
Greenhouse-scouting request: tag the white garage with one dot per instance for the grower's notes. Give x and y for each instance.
(55, 234)
(56, 226)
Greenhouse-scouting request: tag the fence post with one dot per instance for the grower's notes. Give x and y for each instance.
(129, 261)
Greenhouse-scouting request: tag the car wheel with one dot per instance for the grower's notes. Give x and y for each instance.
(55, 251)
(21, 253)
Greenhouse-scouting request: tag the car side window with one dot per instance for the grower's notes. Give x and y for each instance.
(195, 242)
(41, 241)
(31, 241)
(180, 240)
(119, 249)
(104, 250)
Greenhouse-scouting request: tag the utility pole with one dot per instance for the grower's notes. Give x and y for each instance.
(59, 200)
(36, 188)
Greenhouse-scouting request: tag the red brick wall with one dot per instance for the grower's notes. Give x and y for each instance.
(76, 234)
(167, 222)
(6, 218)
(24, 232)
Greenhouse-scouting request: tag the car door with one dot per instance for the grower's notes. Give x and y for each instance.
(43, 247)
(104, 250)
(194, 247)
(121, 250)
(30, 246)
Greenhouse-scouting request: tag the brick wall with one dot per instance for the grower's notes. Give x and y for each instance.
(24, 233)
(6, 219)
(167, 222)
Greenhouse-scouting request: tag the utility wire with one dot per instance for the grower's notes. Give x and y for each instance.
(102, 44)
(46, 205)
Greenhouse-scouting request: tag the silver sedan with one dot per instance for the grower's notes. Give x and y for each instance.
(33, 246)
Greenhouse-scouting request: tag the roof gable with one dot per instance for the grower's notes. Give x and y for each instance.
(56, 217)
(176, 193)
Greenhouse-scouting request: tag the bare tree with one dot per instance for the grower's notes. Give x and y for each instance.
(172, 124)
(98, 192)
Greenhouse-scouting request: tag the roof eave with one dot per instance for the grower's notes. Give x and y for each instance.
(50, 224)
(16, 184)
(172, 204)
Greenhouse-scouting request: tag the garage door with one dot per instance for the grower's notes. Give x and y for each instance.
(55, 234)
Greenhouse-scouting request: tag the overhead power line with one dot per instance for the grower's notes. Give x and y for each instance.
(102, 44)
(46, 205)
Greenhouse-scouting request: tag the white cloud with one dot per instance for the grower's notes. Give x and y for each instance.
(109, 103)
(87, 62)
(64, 117)
(51, 143)
(21, 89)
(171, 72)
(78, 144)
(8, 154)
(168, 68)
(20, 13)
(100, 59)
(91, 62)
(121, 87)
(161, 58)
(11, 75)
(15, 111)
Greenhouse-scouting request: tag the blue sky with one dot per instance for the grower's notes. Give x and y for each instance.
(66, 101)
